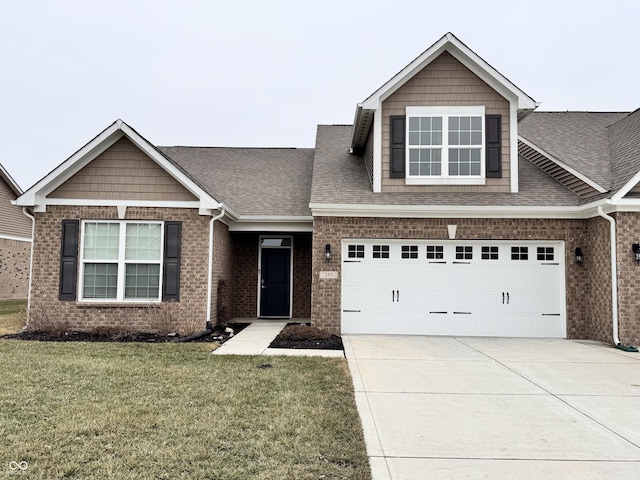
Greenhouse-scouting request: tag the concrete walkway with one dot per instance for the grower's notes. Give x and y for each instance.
(255, 340)
(451, 408)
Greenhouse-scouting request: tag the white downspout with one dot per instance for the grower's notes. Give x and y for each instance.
(614, 274)
(33, 235)
(210, 271)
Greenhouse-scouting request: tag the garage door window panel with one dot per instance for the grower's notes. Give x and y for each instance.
(409, 251)
(519, 253)
(381, 251)
(355, 251)
(545, 254)
(489, 253)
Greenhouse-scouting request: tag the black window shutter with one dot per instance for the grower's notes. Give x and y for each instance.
(397, 160)
(493, 146)
(172, 247)
(69, 260)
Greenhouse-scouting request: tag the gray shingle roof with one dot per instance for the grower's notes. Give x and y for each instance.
(624, 138)
(341, 178)
(579, 139)
(252, 181)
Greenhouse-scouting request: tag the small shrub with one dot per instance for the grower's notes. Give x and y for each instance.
(39, 321)
(162, 320)
(303, 332)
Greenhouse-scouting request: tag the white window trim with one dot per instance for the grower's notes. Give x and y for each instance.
(445, 178)
(121, 263)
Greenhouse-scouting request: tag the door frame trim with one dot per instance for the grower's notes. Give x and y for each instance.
(259, 282)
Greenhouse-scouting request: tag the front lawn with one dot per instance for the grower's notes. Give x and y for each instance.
(13, 315)
(166, 411)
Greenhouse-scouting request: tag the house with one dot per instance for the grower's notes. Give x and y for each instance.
(15, 241)
(449, 207)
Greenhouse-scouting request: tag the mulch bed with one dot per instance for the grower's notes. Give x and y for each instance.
(304, 336)
(219, 335)
(294, 335)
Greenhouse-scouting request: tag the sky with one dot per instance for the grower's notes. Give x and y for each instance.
(266, 73)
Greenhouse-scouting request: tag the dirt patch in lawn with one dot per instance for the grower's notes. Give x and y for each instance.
(220, 334)
(304, 336)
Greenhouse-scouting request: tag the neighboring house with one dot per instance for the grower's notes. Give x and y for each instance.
(450, 207)
(15, 241)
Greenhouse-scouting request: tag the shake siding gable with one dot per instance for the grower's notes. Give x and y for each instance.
(13, 222)
(123, 172)
(445, 82)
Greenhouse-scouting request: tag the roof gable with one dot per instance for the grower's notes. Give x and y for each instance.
(37, 195)
(451, 44)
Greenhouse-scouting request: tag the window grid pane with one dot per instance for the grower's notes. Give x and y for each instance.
(142, 281)
(143, 241)
(100, 280)
(101, 241)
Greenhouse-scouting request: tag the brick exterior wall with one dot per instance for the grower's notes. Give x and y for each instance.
(222, 283)
(14, 268)
(326, 292)
(445, 82)
(597, 263)
(189, 313)
(245, 263)
(628, 233)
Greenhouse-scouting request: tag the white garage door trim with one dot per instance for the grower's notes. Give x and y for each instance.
(449, 287)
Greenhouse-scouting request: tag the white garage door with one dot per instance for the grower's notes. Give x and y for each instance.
(465, 288)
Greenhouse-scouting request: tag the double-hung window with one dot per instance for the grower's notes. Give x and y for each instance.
(445, 145)
(121, 260)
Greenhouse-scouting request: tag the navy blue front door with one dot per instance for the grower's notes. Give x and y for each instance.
(275, 282)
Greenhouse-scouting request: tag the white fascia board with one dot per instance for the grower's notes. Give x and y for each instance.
(356, 124)
(455, 211)
(467, 57)
(36, 195)
(627, 205)
(100, 202)
(563, 165)
(266, 223)
(626, 188)
(514, 173)
(377, 150)
(4, 175)
(206, 200)
(70, 166)
(15, 238)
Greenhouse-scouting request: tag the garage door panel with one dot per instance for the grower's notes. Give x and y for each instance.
(496, 288)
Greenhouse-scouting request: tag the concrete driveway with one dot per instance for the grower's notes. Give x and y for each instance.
(445, 408)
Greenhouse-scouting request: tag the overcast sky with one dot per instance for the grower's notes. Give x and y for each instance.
(265, 73)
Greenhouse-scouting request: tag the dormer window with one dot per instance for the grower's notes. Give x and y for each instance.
(445, 145)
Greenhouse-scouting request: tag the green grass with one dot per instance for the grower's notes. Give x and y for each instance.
(13, 315)
(125, 411)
